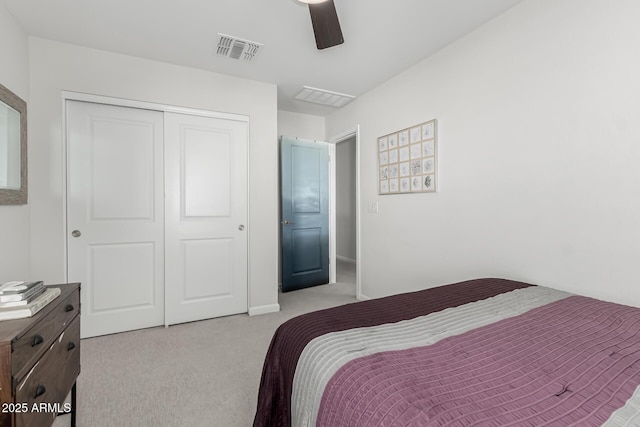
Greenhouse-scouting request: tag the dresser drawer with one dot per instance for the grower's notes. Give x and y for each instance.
(48, 383)
(28, 347)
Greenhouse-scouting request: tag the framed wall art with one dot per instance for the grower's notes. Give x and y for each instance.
(407, 160)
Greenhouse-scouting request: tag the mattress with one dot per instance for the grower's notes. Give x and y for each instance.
(488, 352)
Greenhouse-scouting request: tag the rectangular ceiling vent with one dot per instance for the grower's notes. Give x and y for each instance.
(324, 97)
(236, 48)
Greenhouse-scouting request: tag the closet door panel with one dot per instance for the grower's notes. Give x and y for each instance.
(115, 215)
(207, 173)
(197, 255)
(206, 217)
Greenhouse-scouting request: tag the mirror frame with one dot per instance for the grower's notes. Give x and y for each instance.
(17, 197)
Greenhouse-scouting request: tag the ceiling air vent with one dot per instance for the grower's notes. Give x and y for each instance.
(236, 48)
(324, 97)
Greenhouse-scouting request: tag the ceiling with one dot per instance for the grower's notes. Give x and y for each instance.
(382, 37)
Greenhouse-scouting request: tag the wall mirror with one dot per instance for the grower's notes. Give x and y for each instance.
(13, 148)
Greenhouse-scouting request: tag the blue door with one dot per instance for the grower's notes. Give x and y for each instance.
(304, 185)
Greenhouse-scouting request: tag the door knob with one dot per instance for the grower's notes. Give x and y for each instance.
(287, 222)
(241, 227)
(76, 233)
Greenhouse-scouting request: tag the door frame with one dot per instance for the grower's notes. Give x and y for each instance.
(333, 141)
(164, 108)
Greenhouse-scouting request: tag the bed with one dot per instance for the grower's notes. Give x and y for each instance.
(487, 352)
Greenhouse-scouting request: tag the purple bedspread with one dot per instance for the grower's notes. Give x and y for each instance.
(570, 362)
(292, 336)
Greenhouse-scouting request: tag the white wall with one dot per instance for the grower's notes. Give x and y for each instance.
(56, 67)
(346, 200)
(14, 220)
(301, 125)
(539, 143)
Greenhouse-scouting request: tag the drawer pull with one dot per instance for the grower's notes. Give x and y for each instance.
(40, 390)
(37, 339)
(69, 308)
(71, 346)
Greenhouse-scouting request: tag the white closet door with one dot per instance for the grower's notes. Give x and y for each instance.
(115, 215)
(206, 217)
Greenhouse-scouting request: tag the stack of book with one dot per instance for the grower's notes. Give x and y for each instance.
(24, 299)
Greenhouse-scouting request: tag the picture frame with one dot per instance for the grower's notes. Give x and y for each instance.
(13, 150)
(408, 161)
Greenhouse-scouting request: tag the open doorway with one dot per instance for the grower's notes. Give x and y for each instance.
(345, 215)
(348, 259)
(346, 256)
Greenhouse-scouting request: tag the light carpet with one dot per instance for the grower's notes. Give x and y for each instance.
(202, 373)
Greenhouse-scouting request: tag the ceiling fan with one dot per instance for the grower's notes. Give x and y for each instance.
(326, 26)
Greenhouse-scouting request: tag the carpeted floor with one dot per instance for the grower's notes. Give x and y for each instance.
(196, 374)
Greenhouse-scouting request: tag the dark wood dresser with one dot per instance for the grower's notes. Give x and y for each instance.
(40, 361)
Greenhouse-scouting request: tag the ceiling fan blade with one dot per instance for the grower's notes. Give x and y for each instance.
(326, 27)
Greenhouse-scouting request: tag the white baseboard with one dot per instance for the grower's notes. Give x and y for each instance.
(345, 259)
(264, 309)
(362, 297)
